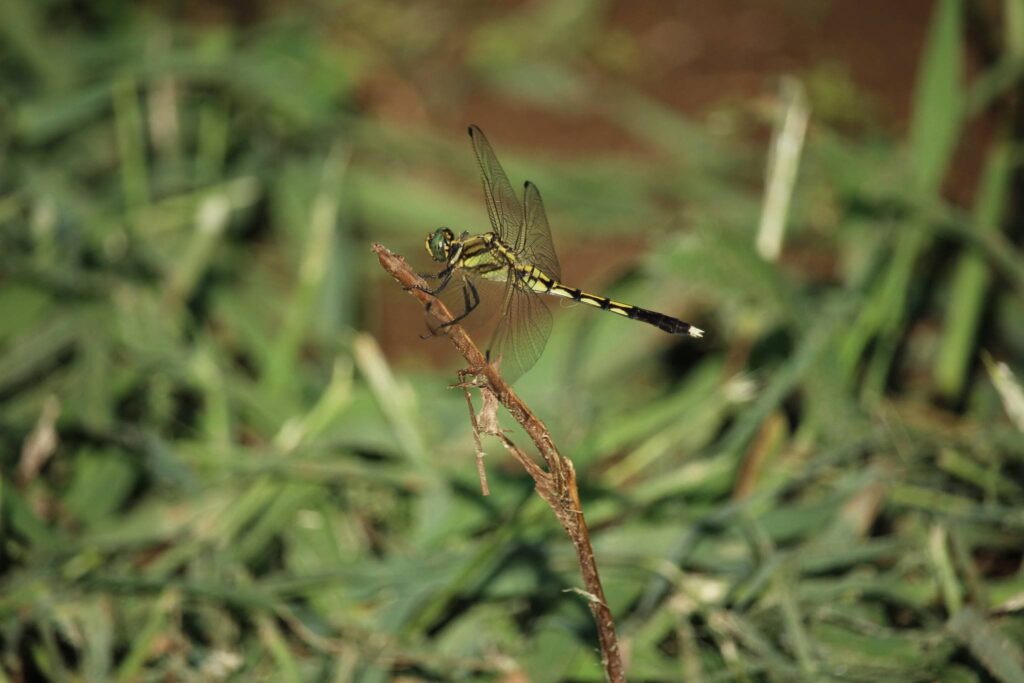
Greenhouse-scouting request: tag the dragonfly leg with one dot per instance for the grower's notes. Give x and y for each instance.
(470, 298)
(445, 276)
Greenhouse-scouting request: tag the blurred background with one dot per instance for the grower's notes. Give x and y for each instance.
(227, 455)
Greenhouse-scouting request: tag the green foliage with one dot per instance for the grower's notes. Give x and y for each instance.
(212, 471)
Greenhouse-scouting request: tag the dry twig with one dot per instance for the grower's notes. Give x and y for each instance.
(555, 483)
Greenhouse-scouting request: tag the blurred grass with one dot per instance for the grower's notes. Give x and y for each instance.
(212, 471)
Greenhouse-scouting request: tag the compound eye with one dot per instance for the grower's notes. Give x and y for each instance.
(445, 237)
(437, 244)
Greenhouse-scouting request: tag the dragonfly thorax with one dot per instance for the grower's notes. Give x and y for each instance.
(439, 244)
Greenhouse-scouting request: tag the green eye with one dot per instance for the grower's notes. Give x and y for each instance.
(437, 244)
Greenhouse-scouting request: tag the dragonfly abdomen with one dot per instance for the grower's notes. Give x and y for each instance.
(663, 322)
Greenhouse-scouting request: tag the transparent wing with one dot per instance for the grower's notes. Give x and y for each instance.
(523, 323)
(537, 248)
(503, 207)
(522, 332)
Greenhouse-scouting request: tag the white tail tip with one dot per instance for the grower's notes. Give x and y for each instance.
(696, 332)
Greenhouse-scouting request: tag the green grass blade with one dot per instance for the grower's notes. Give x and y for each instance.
(971, 281)
(1003, 658)
(938, 105)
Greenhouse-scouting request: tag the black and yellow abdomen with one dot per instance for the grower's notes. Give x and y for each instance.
(487, 256)
(540, 282)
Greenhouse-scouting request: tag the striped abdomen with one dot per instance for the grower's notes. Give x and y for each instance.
(540, 282)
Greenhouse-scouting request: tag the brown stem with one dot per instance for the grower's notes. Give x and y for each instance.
(481, 471)
(556, 483)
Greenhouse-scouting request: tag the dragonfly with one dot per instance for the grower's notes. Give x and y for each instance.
(519, 256)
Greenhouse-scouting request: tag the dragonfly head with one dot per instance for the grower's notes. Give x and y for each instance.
(439, 244)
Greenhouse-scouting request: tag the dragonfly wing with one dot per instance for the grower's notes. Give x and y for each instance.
(522, 332)
(503, 207)
(538, 247)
